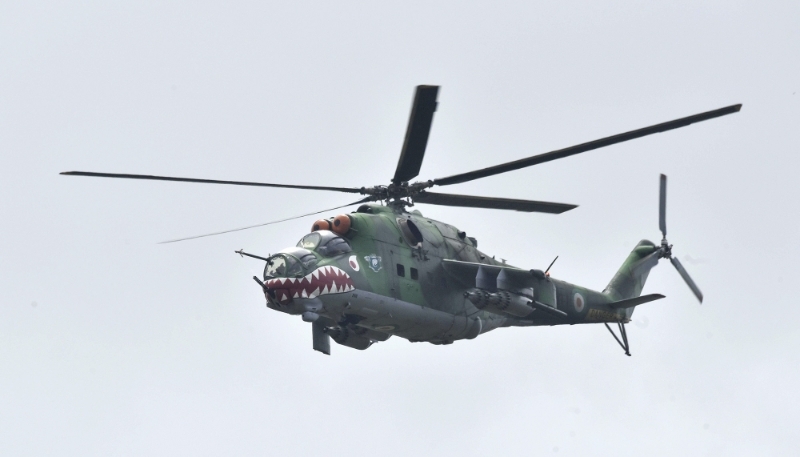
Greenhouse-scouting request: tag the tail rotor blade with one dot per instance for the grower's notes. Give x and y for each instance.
(662, 206)
(687, 278)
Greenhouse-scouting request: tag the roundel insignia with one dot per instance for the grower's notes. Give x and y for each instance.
(578, 301)
(354, 263)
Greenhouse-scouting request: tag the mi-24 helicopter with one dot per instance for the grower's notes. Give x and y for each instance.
(385, 270)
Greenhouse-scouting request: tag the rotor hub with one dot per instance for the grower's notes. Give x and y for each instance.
(397, 194)
(665, 249)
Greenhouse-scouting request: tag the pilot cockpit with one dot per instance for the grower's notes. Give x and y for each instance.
(325, 243)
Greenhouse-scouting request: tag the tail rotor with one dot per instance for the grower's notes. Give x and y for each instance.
(665, 251)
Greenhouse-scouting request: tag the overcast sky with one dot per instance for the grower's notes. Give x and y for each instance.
(111, 344)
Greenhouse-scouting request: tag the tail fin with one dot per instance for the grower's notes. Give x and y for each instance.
(630, 278)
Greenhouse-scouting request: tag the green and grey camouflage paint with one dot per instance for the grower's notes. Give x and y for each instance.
(409, 276)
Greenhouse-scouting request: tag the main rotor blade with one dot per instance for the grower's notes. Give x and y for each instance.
(662, 206)
(351, 190)
(687, 278)
(566, 152)
(471, 201)
(419, 127)
(363, 200)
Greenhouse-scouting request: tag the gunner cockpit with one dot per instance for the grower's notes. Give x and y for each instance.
(291, 263)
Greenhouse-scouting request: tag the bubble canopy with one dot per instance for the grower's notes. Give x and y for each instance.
(292, 262)
(325, 243)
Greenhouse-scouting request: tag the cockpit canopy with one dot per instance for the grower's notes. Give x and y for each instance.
(299, 261)
(280, 266)
(291, 263)
(325, 243)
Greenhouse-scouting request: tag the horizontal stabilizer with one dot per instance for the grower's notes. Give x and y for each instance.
(631, 302)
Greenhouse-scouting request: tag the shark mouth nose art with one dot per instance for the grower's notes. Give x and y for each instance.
(322, 281)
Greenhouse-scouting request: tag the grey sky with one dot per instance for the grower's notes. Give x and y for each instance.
(113, 345)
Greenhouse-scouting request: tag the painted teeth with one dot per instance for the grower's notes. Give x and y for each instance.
(327, 279)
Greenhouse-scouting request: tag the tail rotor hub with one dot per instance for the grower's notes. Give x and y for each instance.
(665, 251)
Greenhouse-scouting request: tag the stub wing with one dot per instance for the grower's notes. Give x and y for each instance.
(469, 273)
(506, 290)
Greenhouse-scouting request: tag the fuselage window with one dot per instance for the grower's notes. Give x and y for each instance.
(414, 273)
(401, 270)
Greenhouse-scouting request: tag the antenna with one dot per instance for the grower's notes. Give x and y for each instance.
(546, 272)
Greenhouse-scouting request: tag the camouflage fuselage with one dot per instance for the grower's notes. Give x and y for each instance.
(399, 279)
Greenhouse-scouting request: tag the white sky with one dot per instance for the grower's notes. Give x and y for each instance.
(113, 345)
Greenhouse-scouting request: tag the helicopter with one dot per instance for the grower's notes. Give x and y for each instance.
(387, 270)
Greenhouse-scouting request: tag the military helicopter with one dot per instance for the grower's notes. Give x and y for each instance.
(385, 270)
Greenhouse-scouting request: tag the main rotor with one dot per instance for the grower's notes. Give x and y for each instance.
(401, 192)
